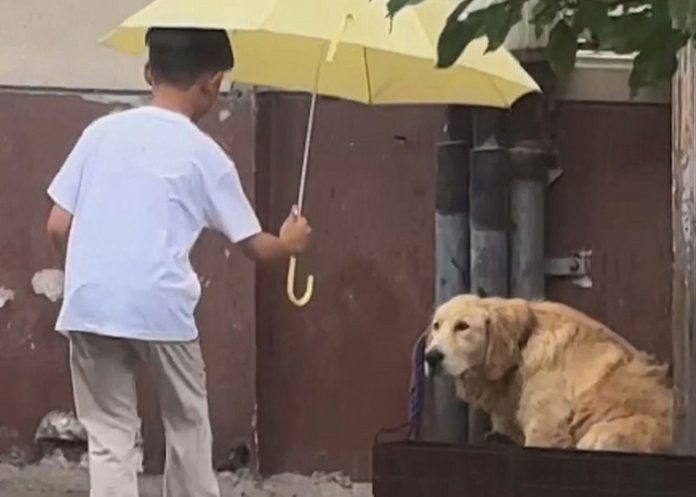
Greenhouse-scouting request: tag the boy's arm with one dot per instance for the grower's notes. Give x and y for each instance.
(58, 228)
(228, 210)
(293, 239)
(64, 191)
(264, 247)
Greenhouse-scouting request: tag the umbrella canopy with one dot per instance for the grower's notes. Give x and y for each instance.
(341, 48)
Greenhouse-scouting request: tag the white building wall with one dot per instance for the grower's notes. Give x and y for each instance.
(53, 43)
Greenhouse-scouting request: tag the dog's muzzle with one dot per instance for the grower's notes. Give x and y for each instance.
(434, 359)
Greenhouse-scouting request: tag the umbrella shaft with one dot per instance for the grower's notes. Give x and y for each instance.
(305, 157)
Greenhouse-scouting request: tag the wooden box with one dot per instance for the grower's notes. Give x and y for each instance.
(411, 469)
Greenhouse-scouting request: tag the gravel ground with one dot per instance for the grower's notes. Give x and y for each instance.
(57, 479)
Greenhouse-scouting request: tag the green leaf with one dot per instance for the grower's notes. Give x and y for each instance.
(498, 19)
(683, 13)
(562, 49)
(394, 6)
(540, 7)
(655, 33)
(544, 14)
(657, 61)
(457, 34)
(591, 15)
(626, 34)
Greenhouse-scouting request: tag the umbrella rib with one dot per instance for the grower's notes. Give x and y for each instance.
(367, 76)
(500, 92)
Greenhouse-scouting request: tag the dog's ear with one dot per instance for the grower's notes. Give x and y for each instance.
(507, 330)
(481, 292)
(501, 350)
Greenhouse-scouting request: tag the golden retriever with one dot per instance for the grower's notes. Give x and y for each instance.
(550, 376)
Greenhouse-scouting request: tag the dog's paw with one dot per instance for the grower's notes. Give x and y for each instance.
(496, 438)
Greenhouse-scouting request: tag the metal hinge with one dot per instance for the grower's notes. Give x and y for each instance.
(576, 267)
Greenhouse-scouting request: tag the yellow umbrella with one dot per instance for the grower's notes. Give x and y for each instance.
(340, 48)
(284, 44)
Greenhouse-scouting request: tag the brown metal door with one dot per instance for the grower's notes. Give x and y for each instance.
(615, 198)
(331, 374)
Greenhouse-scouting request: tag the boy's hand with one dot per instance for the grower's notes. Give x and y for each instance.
(295, 232)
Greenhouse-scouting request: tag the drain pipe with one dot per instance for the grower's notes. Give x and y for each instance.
(489, 195)
(451, 272)
(528, 167)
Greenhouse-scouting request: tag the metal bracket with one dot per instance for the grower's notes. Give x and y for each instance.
(552, 175)
(576, 267)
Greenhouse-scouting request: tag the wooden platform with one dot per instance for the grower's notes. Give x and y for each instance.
(408, 469)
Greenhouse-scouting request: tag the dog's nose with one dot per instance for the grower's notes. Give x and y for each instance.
(434, 358)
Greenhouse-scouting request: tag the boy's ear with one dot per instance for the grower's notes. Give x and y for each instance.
(148, 75)
(217, 78)
(211, 83)
(216, 81)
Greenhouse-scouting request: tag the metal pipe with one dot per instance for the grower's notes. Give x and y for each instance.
(528, 167)
(451, 274)
(489, 221)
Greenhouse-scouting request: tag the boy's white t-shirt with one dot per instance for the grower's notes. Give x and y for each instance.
(141, 185)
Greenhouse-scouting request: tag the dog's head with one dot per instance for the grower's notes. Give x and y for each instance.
(470, 333)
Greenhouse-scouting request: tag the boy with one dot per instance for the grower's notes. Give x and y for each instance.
(130, 202)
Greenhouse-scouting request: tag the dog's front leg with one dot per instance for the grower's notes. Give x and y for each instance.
(545, 411)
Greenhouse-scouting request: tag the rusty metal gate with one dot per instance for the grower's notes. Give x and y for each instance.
(332, 374)
(614, 198)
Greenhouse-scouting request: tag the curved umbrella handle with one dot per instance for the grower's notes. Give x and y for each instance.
(290, 287)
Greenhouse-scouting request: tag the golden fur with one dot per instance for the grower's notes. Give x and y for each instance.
(550, 376)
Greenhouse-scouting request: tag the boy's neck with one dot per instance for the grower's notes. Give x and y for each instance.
(173, 100)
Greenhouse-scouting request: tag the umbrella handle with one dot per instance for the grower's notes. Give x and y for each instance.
(292, 266)
(290, 287)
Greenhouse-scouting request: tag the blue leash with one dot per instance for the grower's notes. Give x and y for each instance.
(416, 405)
(416, 401)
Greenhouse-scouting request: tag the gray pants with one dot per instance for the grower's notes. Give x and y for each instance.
(103, 377)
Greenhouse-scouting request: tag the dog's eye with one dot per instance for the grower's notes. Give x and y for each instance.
(461, 326)
(436, 326)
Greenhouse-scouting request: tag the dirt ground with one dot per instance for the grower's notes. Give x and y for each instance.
(53, 479)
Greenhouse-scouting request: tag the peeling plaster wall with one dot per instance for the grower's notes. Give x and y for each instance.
(54, 79)
(37, 130)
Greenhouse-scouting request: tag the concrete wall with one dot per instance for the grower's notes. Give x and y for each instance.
(54, 44)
